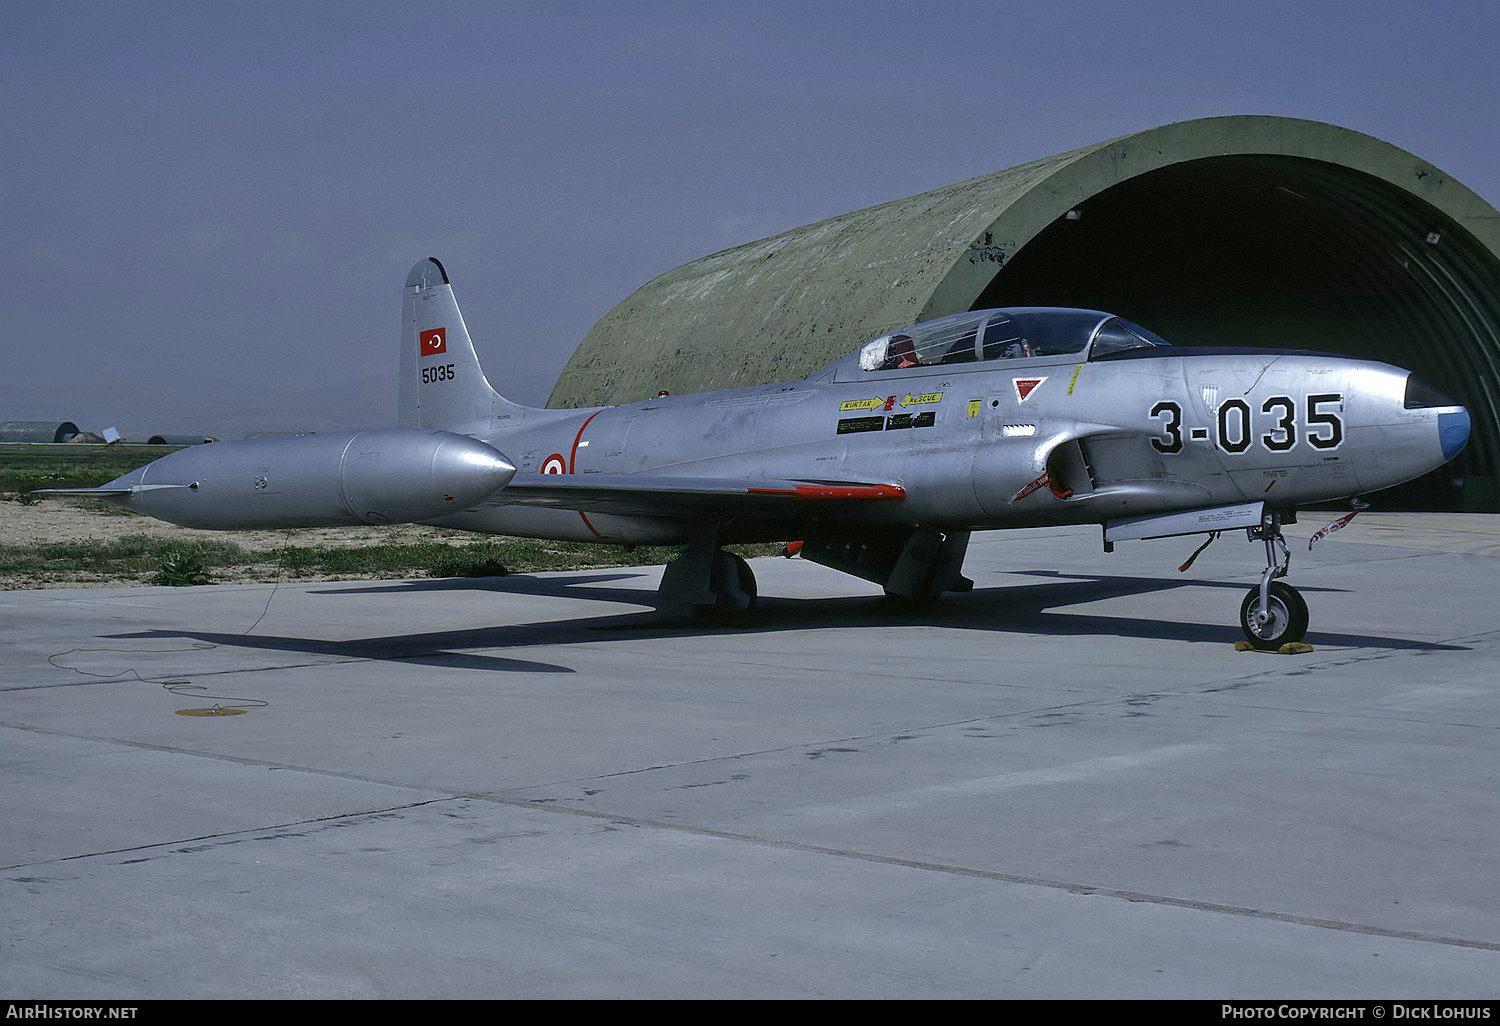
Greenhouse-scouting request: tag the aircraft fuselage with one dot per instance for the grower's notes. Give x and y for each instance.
(1120, 437)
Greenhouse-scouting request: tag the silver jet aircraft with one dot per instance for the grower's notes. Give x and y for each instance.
(880, 465)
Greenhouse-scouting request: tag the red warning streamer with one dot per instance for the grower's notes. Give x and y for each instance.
(1339, 524)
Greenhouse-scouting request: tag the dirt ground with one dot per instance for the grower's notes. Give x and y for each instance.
(61, 520)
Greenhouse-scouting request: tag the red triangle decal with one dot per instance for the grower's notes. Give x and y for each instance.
(1025, 386)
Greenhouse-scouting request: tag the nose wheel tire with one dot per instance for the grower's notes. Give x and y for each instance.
(1285, 622)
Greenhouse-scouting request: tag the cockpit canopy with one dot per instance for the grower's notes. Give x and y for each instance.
(981, 335)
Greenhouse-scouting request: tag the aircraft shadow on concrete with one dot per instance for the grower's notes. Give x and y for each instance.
(1030, 608)
(445, 649)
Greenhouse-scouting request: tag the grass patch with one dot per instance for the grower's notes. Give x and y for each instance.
(131, 556)
(64, 465)
(174, 562)
(180, 569)
(491, 558)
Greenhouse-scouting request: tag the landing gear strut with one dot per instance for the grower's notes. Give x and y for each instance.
(1273, 614)
(733, 585)
(718, 586)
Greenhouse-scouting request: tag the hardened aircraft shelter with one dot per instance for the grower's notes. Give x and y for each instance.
(1235, 231)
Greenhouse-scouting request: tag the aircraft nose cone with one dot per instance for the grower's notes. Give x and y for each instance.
(1453, 432)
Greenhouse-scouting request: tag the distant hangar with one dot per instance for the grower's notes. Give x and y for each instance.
(66, 431)
(37, 430)
(1244, 231)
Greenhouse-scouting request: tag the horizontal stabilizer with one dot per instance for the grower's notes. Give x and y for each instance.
(85, 493)
(110, 491)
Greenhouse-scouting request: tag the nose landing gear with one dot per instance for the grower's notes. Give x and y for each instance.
(1278, 619)
(1274, 613)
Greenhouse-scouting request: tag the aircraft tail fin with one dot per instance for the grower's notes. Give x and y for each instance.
(441, 383)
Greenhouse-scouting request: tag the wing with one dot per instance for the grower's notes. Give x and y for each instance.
(656, 496)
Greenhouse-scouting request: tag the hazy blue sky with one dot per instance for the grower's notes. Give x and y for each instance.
(207, 210)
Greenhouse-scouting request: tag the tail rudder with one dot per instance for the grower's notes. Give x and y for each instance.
(441, 383)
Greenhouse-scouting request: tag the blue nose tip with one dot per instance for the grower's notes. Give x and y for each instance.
(1453, 432)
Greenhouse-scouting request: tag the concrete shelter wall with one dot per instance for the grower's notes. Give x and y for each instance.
(781, 307)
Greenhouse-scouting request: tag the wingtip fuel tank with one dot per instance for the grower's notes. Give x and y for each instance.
(387, 476)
